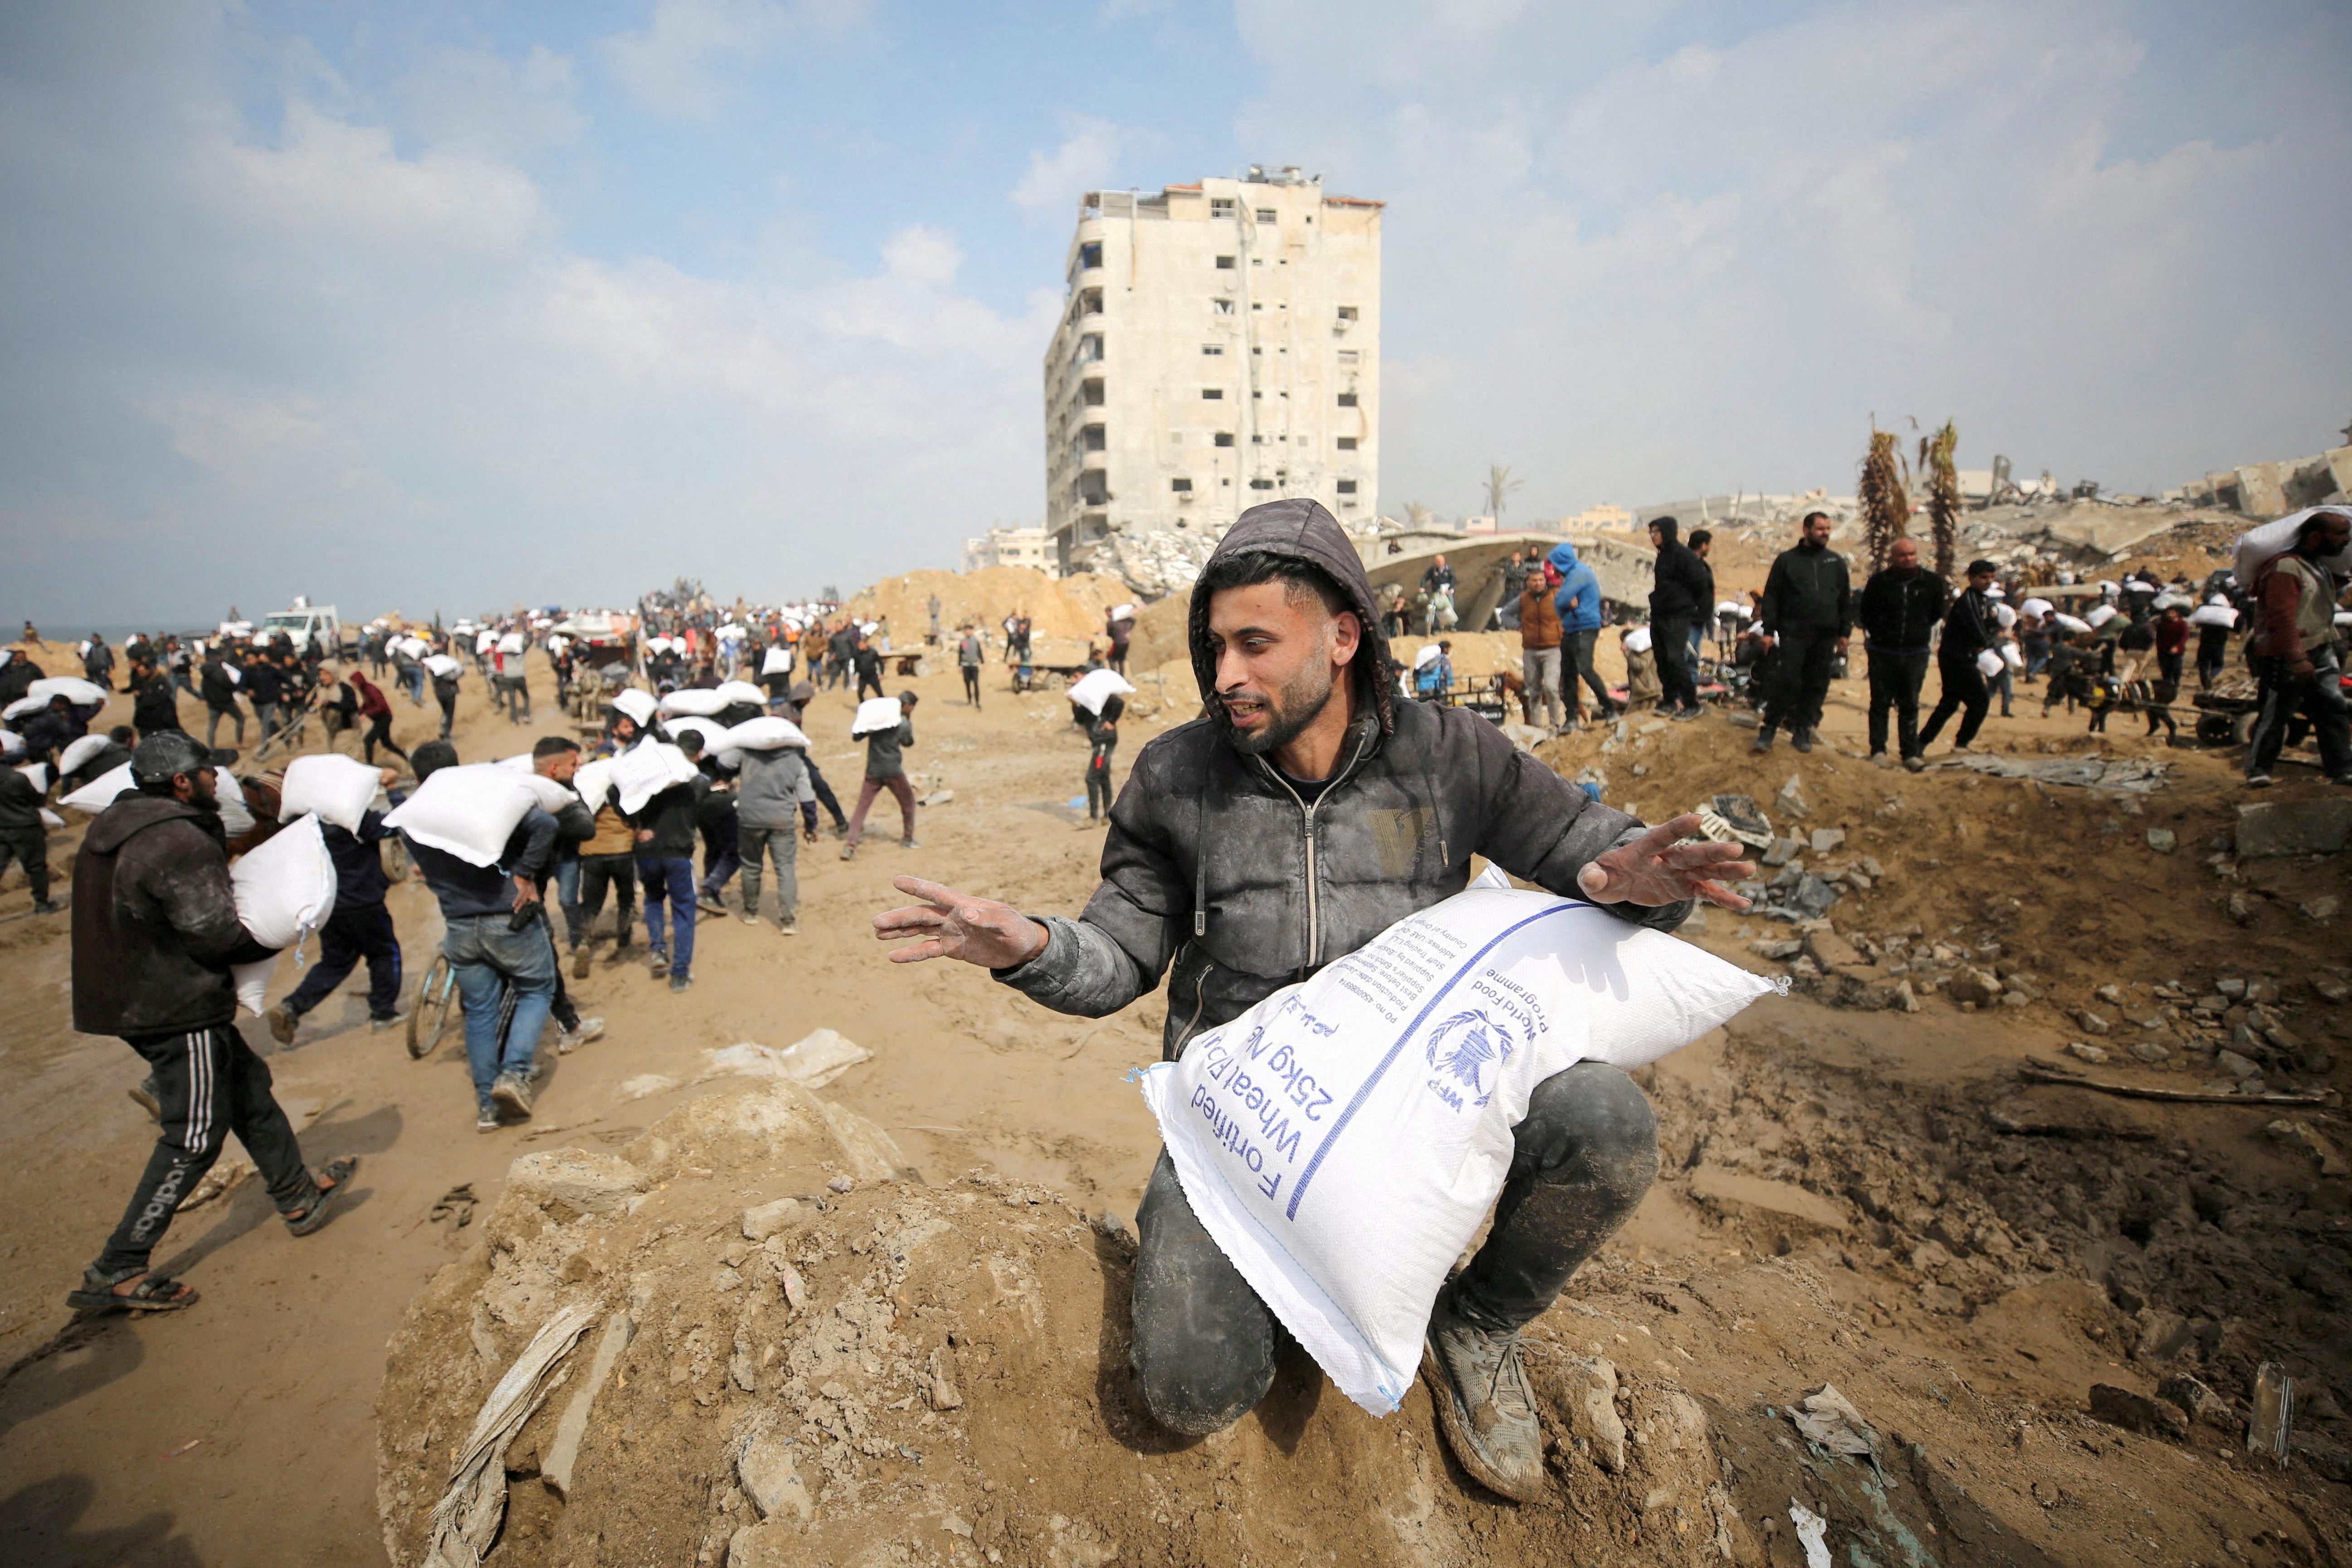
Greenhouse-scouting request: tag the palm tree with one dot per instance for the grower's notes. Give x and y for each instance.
(1417, 514)
(1498, 486)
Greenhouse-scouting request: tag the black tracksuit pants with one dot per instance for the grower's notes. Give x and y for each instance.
(1965, 693)
(353, 933)
(1896, 677)
(1802, 681)
(29, 847)
(1670, 644)
(211, 1085)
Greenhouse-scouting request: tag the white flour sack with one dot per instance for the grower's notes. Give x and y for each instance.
(1344, 1139)
(286, 889)
(468, 811)
(339, 788)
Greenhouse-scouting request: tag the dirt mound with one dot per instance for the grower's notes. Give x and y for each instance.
(1057, 607)
(900, 1373)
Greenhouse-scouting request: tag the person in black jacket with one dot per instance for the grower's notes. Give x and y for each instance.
(155, 930)
(155, 705)
(17, 674)
(24, 837)
(49, 732)
(1900, 607)
(219, 689)
(1102, 739)
(1970, 629)
(264, 687)
(1682, 590)
(666, 833)
(361, 926)
(1807, 614)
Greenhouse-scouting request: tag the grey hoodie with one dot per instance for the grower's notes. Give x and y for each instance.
(1217, 871)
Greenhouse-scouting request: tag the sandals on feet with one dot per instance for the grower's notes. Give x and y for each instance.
(337, 1179)
(152, 1293)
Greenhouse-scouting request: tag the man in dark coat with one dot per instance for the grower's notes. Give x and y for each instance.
(1807, 614)
(1900, 607)
(155, 931)
(1307, 811)
(1682, 593)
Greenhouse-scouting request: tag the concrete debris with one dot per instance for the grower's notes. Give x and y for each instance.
(2081, 1051)
(1827, 839)
(2131, 775)
(2163, 841)
(2272, 828)
(2312, 1141)
(576, 1180)
(2092, 1022)
(774, 1218)
(1790, 801)
(555, 1466)
(813, 1061)
(772, 1481)
(2271, 1432)
(466, 1520)
(1829, 1419)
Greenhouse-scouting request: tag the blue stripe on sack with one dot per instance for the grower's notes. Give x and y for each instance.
(1364, 1091)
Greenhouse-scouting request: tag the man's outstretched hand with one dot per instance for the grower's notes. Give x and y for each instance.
(1659, 868)
(952, 924)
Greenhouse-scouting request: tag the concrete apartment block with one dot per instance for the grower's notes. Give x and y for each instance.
(1219, 346)
(1010, 547)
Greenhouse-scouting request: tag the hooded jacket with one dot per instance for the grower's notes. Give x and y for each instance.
(1681, 584)
(154, 921)
(1578, 595)
(1220, 874)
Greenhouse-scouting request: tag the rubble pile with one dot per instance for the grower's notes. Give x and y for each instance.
(1154, 562)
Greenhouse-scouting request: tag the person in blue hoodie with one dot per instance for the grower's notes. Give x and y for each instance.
(1578, 602)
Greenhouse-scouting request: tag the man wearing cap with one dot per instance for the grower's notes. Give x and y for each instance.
(155, 931)
(1971, 627)
(2293, 651)
(1308, 810)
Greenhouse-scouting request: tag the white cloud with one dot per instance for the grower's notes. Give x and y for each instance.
(329, 174)
(473, 100)
(1087, 157)
(671, 64)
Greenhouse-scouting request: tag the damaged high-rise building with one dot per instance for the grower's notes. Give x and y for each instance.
(1219, 346)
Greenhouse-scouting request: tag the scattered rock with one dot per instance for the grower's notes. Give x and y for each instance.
(1827, 839)
(2313, 1142)
(2092, 1022)
(774, 1218)
(2152, 1052)
(1777, 951)
(2163, 841)
(1973, 986)
(2230, 1064)
(1790, 801)
(2136, 1412)
(1830, 950)
(2235, 989)
(2198, 1403)
(841, 1184)
(577, 1180)
(2241, 908)
(772, 1481)
(2109, 994)
(1582, 1393)
(2293, 828)
(2331, 989)
(2162, 1335)
(2084, 1053)
(1814, 897)
(1783, 852)
(2322, 908)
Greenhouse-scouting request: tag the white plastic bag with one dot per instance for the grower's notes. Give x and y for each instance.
(1988, 662)
(1343, 1139)
(875, 714)
(2012, 655)
(693, 703)
(1096, 687)
(339, 788)
(469, 812)
(763, 734)
(99, 794)
(285, 888)
(643, 772)
(776, 660)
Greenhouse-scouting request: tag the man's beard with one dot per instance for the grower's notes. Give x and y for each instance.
(1288, 711)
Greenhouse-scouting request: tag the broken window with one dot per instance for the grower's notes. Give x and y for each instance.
(1092, 437)
(1090, 348)
(1211, 394)
(1346, 444)
(1225, 263)
(1346, 400)
(1346, 487)
(1221, 206)
(1224, 306)
(1224, 438)
(1090, 393)
(1347, 312)
(1181, 486)
(1090, 302)
(1094, 488)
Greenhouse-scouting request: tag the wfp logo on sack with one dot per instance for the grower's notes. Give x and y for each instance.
(1469, 1049)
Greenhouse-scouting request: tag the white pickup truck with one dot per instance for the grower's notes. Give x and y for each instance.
(307, 623)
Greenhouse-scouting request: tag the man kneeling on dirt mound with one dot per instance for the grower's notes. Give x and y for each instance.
(1307, 811)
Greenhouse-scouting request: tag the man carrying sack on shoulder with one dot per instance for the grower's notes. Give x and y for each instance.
(1310, 809)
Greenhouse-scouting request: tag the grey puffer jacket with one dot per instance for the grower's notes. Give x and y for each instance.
(1216, 866)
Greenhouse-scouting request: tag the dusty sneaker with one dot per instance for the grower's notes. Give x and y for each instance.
(660, 960)
(511, 1095)
(282, 1020)
(788, 928)
(580, 960)
(1479, 1384)
(568, 1040)
(390, 1020)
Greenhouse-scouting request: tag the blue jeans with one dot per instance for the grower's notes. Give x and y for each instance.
(505, 979)
(567, 897)
(669, 878)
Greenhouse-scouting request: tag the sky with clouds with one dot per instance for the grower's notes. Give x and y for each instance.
(439, 307)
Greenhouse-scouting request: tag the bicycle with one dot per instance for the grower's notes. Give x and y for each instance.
(436, 1004)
